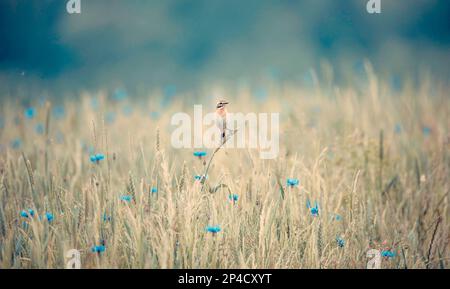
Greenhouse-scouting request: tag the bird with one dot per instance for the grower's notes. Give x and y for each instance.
(221, 118)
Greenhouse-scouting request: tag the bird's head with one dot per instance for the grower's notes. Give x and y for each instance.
(221, 104)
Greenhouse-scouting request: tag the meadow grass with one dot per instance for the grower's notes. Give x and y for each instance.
(375, 160)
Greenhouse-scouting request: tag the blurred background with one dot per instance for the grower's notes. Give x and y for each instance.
(175, 46)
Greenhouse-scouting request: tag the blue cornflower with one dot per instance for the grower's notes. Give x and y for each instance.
(426, 131)
(30, 112)
(39, 128)
(340, 242)
(200, 154)
(97, 158)
(49, 216)
(126, 198)
(388, 254)
(28, 213)
(106, 218)
(213, 229)
(292, 182)
(337, 217)
(314, 210)
(200, 178)
(16, 143)
(98, 249)
(154, 190)
(233, 197)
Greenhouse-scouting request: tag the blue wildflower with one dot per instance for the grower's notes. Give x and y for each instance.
(126, 198)
(30, 112)
(314, 210)
(338, 217)
(16, 143)
(200, 154)
(388, 254)
(233, 197)
(213, 229)
(426, 131)
(154, 190)
(28, 213)
(292, 182)
(340, 242)
(200, 178)
(49, 216)
(97, 158)
(98, 249)
(106, 218)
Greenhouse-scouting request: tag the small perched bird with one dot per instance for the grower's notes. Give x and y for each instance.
(221, 118)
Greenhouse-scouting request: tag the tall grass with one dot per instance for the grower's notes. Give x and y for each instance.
(378, 158)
